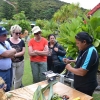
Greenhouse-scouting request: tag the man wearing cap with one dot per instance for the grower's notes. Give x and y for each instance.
(6, 53)
(38, 51)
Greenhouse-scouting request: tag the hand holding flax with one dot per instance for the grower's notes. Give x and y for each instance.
(67, 61)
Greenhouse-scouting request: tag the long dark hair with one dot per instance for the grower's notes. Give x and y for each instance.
(51, 35)
(81, 36)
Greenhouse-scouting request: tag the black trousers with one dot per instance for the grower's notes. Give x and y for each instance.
(58, 68)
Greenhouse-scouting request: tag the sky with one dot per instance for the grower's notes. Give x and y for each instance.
(87, 4)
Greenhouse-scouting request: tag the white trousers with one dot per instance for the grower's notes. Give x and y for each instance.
(18, 70)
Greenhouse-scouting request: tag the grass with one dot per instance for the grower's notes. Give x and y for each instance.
(96, 96)
(27, 77)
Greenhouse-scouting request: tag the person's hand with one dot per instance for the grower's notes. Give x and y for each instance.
(65, 60)
(1, 57)
(35, 51)
(56, 49)
(5, 86)
(45, 48)
(14, 50)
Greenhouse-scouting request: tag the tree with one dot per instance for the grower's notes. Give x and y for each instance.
(68, 11)
(25, 5)
(7, 10)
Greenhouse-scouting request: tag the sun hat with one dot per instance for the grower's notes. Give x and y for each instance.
(36, 29)
(3, 31)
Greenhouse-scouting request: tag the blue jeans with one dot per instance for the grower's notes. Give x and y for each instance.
(6, 76)
(37, 69)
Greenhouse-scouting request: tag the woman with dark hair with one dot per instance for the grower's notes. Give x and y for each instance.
(86, 65)
(55, 50)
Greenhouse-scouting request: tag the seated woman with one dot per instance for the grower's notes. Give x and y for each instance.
(55, 50)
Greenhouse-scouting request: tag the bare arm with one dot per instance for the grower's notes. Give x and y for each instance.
(67, 61)
(44, 52)
(1, 57)
(78, 71)
(9, 53)
(36, 52)
(31, 51)
(20, 53)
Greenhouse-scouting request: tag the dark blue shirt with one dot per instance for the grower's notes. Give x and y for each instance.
(87, 60)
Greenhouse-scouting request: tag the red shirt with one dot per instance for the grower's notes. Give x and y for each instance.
(38, 46)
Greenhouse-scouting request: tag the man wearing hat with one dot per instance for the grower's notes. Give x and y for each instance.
(38, 51)
(6, 53)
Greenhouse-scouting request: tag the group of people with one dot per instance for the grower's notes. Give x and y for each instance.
(44, 56)
(12, 57)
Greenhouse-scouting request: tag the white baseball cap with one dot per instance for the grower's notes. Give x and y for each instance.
(36, 29)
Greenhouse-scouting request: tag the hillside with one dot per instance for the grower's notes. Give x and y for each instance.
(34, 9)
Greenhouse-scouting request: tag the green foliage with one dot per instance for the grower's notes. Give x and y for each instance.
(39, 93)
(31, 36)
(97, 13)
(25, 5)
(20, 16)
(25, 25)
(66, 36)
(68, 11)
(22, 21)
(45, 33)
(95, 27)
(41, 23)
(19, 19)
(34, 9)
(44, 9)
(7, 10)
(48, 27)
(27, 68)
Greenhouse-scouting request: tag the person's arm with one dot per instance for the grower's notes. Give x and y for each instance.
(76, 71)
(67, 61)
(60, 50)
(20, 53)
(1, 57)
(8, 53)
(44, 52)
(31, 52)
(36, 52)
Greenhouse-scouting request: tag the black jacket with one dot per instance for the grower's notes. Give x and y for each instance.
(53, 59)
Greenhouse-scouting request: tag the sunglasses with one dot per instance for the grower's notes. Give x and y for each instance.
(18, 33)
(37, 33)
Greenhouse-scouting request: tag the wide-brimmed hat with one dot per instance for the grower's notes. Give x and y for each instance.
(3, 31)
(36, 29)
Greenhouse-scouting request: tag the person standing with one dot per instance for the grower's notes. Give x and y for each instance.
(6, 53)
(85, 70)
(55, 50)
(38, 51)
(18, 60)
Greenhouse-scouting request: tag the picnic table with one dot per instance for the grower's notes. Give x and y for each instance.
(26, 93)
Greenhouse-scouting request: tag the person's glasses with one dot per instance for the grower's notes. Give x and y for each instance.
(18, 33)
(37, 33)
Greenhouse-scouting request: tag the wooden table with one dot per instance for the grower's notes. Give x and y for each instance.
(59, 88)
